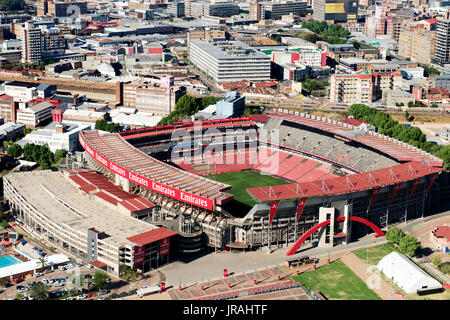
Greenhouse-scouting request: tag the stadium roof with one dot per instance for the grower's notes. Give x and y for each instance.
(115, 149)
(345, 184)
(392, 147)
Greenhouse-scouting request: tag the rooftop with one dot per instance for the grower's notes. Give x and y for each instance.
(47, 190)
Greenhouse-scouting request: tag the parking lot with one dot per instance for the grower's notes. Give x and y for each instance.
(60, 283)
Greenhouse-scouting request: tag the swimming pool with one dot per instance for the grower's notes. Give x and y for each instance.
(7, 261)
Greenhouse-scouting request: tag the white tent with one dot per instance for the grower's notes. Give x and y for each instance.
(406, 274)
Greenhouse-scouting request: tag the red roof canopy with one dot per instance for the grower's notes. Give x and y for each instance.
(442, 232)
(151, 236)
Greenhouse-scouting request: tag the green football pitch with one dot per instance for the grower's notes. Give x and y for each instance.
(337, 281)
(245, 179)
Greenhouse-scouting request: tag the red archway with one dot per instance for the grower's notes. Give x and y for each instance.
(305, 236)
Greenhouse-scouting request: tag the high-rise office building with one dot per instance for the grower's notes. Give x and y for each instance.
(31, 43)
(417, 46)
(442, 52)
(335, 10)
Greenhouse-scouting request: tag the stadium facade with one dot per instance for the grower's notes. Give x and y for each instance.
(333, 171)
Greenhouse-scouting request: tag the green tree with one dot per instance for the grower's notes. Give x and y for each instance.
(445, 268)
(208, 100)
(100, 124)
(59, 154)
(100, 280)
(408, 245)
(437, 260)
(39, 291)
(444, 154)
(19, 296)
(15, 150)
(394, 235)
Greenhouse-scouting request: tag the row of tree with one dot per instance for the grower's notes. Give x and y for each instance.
(186, 106)
(322, 28)
(37, 153)
(407, 244)
(103, 125)
(389, 127)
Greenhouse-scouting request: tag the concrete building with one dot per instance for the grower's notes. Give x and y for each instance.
(276, 9)
(21, 91)
(35, 115)
(47, 204)
(442, 53)
(64, 9)
(8, 108)
(217, 9)
(57, 136)
(362, 88)
(394, 97)
(31, 43)
(232, 105)
(176, 9)
(256, 11)
(440, 237)
(11, 130)
(335, 10)
(229, 61)
(376, 25)
(418, 47)
(441, 81)
(148, 98)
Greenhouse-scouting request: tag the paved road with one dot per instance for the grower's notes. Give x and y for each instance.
(211, 266)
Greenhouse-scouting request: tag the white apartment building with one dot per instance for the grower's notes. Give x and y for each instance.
(35, 115)
(362, 88)
(57, 136)
(21, 91)
(230, 61)
(312, 57)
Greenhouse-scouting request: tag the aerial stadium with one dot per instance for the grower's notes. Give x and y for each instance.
(278, 180)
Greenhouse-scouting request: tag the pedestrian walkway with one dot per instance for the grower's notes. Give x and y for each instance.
(376, 283)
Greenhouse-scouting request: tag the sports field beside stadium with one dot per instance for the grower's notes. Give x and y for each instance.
(374, 254)
(242, 180)
(337, 281)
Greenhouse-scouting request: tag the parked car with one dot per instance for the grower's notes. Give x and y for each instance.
(48, 271)
(103, 292)
(62, 268)
(89, 266)
(90, 295)
(101, 298)
(81, 296)
(18, 280)
(38, 274)
(69, 298)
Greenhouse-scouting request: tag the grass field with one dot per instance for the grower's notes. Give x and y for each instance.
(376, 253)
(243, 180)
(337, 281)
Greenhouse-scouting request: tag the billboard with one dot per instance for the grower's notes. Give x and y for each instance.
(138, 255)
(341, 10)
(164, 247)
(148, 183)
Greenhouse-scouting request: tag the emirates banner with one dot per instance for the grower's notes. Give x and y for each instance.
(164, 247)
(432, 181)
(301, 205)
(374, 195)
(138, 255)
(397, 186)
(273, 210)
(416, 183)
(148, 183)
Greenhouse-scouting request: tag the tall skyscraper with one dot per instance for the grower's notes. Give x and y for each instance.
(442, 52)
(335, 10)
(31, 43)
